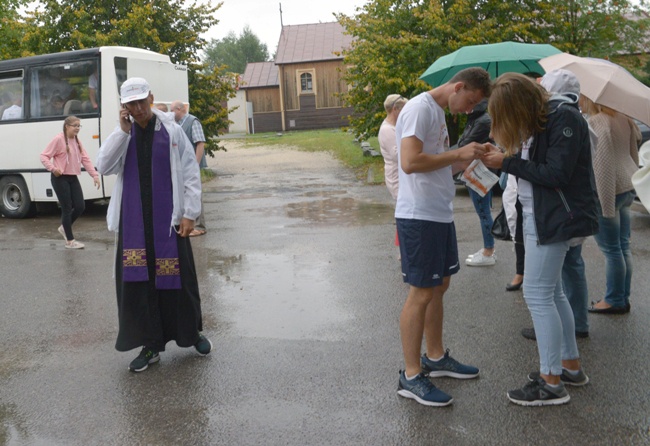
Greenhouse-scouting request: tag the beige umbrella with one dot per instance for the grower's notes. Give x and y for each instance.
(605, 83)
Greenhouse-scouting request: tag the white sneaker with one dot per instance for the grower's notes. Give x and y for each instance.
(479, 259)
(477, 253)
(74, 245)
(62, 232)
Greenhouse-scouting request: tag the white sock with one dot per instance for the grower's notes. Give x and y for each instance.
(436, 360)
(573, 372)
(411, 378)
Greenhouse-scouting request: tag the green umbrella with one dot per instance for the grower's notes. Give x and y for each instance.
(496, 58)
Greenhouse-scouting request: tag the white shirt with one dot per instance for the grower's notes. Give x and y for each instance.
(525, 189)
(186, 177)
(13, 112)
(388, 146)
(428, 195)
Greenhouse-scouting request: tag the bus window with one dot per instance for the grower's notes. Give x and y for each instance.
(11, 95)
(64, 89)
(120, 71)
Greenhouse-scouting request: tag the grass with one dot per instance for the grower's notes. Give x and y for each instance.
(335, 141)
(206, 175)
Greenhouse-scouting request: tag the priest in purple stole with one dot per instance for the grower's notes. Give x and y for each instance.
(156, 199)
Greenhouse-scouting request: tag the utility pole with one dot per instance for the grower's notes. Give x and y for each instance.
(281, 25)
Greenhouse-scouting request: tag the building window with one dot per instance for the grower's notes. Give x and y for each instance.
(305, 82)
(306, 85)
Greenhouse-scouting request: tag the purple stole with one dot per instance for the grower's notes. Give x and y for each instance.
(134, 254)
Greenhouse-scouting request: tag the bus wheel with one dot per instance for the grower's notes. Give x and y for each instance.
(15, 201)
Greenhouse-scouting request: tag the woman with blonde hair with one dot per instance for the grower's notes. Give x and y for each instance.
(616, 158)
(387, 142)
(393, 105)
(547, 148)
(64, 156)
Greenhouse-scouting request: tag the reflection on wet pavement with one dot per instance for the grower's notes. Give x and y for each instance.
(13, 429)
(341, 211)
(286, 297)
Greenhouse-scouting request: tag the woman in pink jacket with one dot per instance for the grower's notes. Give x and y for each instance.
(64, 156)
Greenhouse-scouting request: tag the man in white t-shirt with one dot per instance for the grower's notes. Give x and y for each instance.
(425, 225)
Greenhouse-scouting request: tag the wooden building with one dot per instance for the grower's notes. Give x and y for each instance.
(260, 82)
(310, 76)
(300, 89)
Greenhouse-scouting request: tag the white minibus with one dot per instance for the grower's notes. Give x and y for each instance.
(36, 95)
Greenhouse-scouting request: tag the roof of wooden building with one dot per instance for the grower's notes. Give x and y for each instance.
(310, 43)
(260, 74)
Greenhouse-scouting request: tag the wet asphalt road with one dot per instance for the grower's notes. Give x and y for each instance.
(301, 295)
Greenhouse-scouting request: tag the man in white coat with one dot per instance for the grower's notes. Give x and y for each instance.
(157, 198)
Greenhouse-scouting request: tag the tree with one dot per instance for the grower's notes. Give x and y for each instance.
(172, 27)
(205, 85)
(11, 29)
(601, 28)
(396, 40)
(235, 52)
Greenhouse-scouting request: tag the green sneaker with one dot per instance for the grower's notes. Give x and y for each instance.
(147, 356)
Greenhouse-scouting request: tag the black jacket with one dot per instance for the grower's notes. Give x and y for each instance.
(560, 170)
(478, 125)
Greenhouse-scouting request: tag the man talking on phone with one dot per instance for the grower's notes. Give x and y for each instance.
(156, 199)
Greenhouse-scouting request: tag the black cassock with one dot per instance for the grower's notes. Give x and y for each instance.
(147, 316)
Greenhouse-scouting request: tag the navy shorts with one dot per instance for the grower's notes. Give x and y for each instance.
(429, 251)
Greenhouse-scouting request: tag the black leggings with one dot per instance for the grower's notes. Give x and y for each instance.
(519, 240)
(71, 198)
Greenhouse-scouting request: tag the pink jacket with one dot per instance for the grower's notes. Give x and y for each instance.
(55, 156)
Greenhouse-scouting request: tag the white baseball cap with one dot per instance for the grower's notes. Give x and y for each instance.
(134, 89)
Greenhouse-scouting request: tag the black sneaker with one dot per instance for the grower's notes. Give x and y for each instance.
(147, 356)
(538, 393)
(203, 346)
(529, 333)
(422, 390)
(447, 366)
(567, 378)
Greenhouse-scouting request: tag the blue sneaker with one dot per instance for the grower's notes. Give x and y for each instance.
(447, 366)
(422, 390)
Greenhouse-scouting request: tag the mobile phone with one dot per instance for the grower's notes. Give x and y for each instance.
(128, 117)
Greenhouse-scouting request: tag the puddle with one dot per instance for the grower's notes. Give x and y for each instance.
(278, 296)
(341, 212)
(13, 427)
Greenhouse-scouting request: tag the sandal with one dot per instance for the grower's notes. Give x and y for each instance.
(196, 232)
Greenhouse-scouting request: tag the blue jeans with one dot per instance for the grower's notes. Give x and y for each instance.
(574, 284)
(614, 241)
(483, 206)
(549, 308)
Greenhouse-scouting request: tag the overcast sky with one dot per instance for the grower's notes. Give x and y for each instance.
(263, 16)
